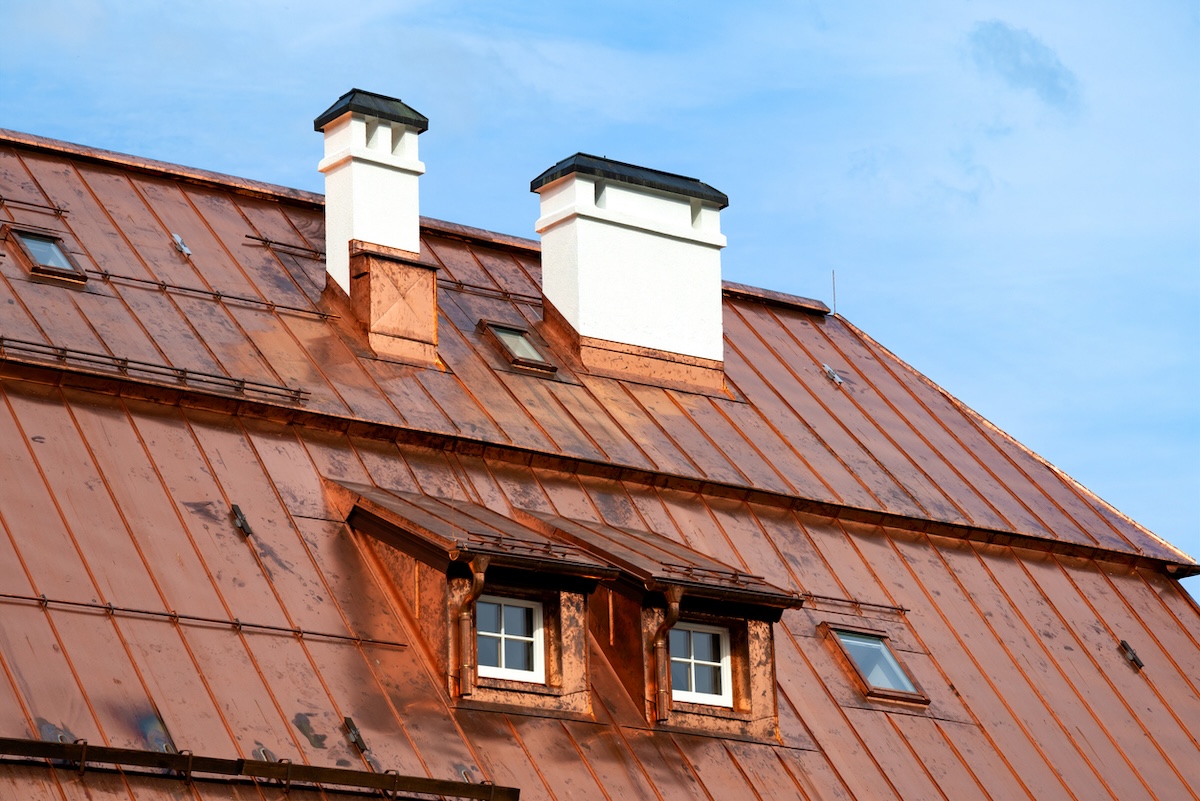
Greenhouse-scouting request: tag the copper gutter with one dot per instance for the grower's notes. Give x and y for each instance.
(186, 766)
(466, 644)
(662, 656)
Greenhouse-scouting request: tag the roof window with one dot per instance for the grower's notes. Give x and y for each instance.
(509, 639)
(518, 347)
(700, 669)
(46, 254)
(875, 666)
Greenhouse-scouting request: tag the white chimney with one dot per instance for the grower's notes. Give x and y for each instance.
(632, 256)
(371, 171)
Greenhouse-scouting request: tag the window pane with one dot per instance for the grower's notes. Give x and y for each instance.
(706, 646)
(876, 662)
(487, 617)
(516, 342)
(708, 679)
(518, 621)
(45, 251)
(518, 655)
(680, 644)
(680, 679)
(489, 651)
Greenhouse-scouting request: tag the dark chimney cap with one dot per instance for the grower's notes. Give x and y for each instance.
(381, 106)
(624, 173)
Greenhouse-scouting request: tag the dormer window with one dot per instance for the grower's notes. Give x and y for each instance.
(514, 341)
(46, 254)
(700, 664)
(509, 639)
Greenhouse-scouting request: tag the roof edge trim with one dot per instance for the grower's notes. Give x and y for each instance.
(771, 297)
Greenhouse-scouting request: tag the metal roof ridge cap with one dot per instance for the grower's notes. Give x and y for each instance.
(772, 297)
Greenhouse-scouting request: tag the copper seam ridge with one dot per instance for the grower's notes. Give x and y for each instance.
(1075, 684)
(1000, 699)
(1073, 486)
(1038, 690)
(871, 421)
(177, 617)
(840, 712)
(869, 346)
(853, 475)
(836, 421)
(1124, 697)
(916, 430)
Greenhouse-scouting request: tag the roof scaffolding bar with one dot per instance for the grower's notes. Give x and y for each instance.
(186, 766)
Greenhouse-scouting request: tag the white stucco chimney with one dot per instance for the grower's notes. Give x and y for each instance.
(631, 259)
(371, 170)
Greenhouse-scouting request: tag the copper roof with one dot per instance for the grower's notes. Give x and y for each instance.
(135, 614)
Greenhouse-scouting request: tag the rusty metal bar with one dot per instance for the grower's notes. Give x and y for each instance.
(124, 365)
(811, 596)
(312, 253)
(177, 617)
(58, 211)
(212, 293)
(186, 766)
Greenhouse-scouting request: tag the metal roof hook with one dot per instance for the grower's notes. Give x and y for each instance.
(82, 755)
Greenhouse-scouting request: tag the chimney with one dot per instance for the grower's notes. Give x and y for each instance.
(631, 268)
(372, 222)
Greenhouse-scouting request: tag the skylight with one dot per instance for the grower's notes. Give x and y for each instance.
(877, 667)
(45, 252)
(518, 347)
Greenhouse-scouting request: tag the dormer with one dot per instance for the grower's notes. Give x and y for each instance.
(690, 638)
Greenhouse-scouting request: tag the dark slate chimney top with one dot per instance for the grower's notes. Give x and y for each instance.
(375, 105)
(624, 173)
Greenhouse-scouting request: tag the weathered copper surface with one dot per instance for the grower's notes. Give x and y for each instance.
(876, 496)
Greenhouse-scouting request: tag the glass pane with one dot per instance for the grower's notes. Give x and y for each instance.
(45, 251)
(706, 646)
(487, 617)
(680, 679)
(681, 644)
(516, 342)
(708, 679)
(489, 650)
(876, 662)
(518, 621)
(518, 655)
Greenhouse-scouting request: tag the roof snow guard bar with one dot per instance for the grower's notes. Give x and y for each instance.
(21, 350)
(186, 766)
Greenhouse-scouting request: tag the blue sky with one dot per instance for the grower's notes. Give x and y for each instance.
(1009, 193)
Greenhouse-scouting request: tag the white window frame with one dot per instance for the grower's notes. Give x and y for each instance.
(535, 676)
(725, 698)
